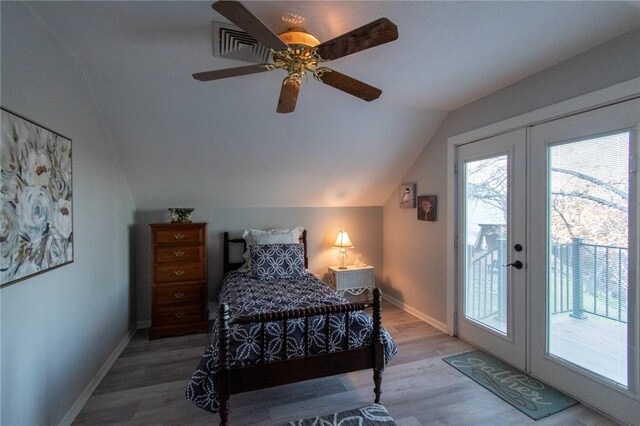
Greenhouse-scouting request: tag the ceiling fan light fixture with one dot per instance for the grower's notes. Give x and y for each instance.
(299, 37)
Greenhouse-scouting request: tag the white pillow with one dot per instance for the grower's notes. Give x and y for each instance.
(269, 236)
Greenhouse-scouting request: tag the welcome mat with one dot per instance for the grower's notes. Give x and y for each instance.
(533, 398)
(371, 415)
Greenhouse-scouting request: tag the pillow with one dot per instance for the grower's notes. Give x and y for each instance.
(270, 236)
(277, 261)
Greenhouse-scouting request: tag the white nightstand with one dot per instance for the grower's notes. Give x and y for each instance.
(354, 280)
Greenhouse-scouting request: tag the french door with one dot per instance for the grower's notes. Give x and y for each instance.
(584, 257)
(491, 245)
(547, 253)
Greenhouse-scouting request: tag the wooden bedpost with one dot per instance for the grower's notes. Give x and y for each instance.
(223, 370)
(378, 346)
(225, 253)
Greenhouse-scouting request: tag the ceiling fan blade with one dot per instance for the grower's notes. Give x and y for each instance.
(240, 15)
(371, 35)
(229, 72)
(349, 85)
(288, 95)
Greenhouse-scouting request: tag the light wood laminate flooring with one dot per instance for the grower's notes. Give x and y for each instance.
(146, 386)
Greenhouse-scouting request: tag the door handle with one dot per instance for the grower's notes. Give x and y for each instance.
(517, 264)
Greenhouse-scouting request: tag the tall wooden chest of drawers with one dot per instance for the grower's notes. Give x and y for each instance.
(178, 279)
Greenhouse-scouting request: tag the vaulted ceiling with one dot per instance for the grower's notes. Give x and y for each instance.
(221, 143)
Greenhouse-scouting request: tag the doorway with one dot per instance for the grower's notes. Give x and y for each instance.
(546, 256)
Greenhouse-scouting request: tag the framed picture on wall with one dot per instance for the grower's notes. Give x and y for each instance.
(36, 217)
(408, 196)
(427, 207)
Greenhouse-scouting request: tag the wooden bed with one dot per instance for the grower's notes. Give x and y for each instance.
(233, 380)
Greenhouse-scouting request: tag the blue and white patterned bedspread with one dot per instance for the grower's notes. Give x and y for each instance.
(247, 296)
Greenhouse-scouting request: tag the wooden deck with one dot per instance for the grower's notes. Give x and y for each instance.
(595, 343)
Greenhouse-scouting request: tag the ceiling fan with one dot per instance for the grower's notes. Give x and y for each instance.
(298, 52)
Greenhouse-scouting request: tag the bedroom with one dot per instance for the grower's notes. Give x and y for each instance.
(117, 81)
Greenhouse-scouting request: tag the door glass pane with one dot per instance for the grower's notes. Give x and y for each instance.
(588, 253)
(485, 295)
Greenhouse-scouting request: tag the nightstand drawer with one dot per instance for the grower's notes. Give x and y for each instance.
(171, 295)
(352, 279)
(177, 253)
(174, 272)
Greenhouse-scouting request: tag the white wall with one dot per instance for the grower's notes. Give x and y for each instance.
(364, 225)
(58, 328)
(415, 251)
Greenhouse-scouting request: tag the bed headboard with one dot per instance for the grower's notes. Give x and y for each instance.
(232, 266)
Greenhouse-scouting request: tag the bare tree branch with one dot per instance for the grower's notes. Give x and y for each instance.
(592, 198)
(562, 217)
(592, 179)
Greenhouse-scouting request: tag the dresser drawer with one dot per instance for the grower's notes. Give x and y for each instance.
(179, 235)
(176, 272)
(177, 253)
(171, 295)
(178, 314)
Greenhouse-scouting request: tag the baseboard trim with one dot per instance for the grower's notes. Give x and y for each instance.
(95, 381)
(416, 313)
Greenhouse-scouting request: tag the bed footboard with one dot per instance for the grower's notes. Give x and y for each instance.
(291, 370)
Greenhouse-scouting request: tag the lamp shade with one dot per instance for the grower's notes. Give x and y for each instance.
(343, 240)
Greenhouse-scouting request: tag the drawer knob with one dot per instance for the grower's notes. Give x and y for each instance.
(178, 236)
(178, 253)
(179, 314)
(178, 295)
(179, 273)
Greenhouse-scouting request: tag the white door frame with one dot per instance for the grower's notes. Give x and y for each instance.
(622, 91)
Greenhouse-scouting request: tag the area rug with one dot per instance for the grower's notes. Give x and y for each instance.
(371, 415)
(533, 398)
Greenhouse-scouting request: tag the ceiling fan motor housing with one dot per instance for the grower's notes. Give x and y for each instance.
(300, 57)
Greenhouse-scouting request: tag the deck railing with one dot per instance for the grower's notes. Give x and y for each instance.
(583, 279)
(485, 297)
(589, 278)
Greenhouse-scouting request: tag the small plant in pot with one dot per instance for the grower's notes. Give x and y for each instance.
(181, 214)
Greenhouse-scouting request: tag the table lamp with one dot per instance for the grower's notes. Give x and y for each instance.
(343, 243)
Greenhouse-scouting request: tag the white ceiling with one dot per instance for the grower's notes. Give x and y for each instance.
(185, 142)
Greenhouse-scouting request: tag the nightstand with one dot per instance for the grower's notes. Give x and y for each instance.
(353, 280)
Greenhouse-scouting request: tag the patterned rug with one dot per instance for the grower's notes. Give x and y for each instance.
(533, 398)
(371, 415)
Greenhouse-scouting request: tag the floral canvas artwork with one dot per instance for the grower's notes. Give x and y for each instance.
(36, 221)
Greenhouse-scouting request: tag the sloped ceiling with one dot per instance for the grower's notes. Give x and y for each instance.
(185, 142)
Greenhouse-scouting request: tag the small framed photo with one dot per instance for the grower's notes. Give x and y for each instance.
(427, 207)
(408, 196)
